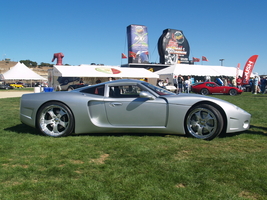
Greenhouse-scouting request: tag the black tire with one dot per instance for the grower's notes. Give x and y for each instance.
(204, 91)
(70, 88)
(233, 92)
(204, 122)
(55, 119)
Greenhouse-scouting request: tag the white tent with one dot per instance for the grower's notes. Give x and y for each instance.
(21, 72)
(102, 71)
(199, 70)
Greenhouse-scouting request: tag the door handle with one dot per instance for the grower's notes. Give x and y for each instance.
(113, 104)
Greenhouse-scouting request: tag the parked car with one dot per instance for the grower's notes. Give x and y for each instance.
(206, 88)
(15, 85)
(246, 88)
(6, 87)
(130, 106)
(75, 86)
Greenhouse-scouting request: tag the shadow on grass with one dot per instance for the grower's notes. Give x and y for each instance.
(128, 134)
(250, 131)
(24, 129)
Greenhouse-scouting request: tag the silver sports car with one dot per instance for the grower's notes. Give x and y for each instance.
(130, 106)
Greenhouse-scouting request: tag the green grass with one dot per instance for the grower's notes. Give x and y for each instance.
(133, 167)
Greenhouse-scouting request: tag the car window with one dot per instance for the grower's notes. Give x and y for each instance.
(210, 84)
(197, 83)
(124, 91)
(97, 90)
(158, 90)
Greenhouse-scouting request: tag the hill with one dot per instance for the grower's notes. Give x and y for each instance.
(6, 65)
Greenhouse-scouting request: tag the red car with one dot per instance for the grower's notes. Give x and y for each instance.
(206, 88)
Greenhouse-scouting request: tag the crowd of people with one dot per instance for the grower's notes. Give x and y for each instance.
(256, 85)
(181, 84)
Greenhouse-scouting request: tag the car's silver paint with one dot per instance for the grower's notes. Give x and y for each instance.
(96, 114)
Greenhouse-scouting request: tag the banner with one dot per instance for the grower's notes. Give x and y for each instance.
(137, 44)
(248, 69)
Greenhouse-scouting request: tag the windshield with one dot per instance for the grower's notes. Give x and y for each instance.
(158, 90)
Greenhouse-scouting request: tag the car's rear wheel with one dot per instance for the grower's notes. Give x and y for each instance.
(204, 122)
(233, 92)
(55, 119)
(204, 91)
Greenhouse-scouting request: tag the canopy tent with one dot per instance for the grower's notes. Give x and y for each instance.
(21, 72)
(199, 70)
(102, 71)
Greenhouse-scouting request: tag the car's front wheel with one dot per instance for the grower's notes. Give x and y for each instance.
(204, 122)
(55, 119)
(233, 92)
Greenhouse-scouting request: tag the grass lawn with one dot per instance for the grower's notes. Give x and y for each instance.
(140, 167)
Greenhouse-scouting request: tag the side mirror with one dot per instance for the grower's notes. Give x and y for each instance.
(145, 94)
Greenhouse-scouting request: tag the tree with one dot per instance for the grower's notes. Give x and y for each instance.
(45, 65)
(29, 63)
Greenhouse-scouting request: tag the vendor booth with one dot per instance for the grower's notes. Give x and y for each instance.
(62, 76)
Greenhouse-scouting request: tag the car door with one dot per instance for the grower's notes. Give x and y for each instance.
(213, 88)
(126, 108)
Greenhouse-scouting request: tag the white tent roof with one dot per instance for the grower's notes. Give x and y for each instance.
(199, 70)
(102, 71)
(21, 72)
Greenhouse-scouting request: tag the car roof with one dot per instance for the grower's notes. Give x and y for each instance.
(115, 82)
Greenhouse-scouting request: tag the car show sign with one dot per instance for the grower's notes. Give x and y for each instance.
(137, 44)
(173, 47)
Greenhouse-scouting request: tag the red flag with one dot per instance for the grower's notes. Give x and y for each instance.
(196, 59)
(123, 55)
(132, 54)
(248, 69)
(204, 58)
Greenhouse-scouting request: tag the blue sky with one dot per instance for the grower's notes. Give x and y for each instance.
(94, 31)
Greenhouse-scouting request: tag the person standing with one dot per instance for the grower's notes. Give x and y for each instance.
(225, 81)
(180, 81)
(255, 83)
(239, 82)
(175, 83)
(263, 84)
(167, 81)
(188, 84)
(234, 82)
